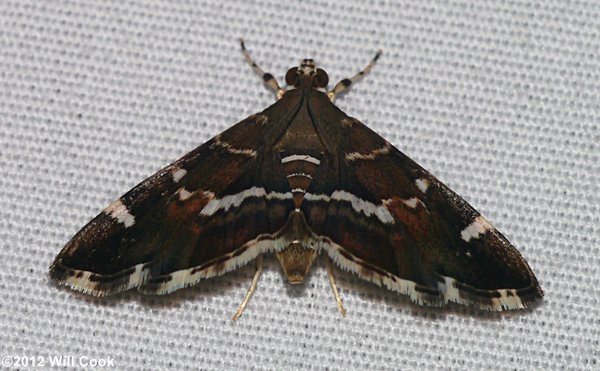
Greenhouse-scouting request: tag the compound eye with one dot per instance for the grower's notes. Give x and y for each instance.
(291, 77)
(321, 80)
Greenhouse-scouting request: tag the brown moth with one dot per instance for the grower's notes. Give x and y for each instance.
(299, 179)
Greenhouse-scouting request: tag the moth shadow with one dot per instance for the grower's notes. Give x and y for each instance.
(401, 303)
(297, 291)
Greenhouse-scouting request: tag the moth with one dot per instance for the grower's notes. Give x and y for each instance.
(298, 180)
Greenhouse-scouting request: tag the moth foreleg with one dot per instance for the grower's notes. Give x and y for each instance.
(259, 268)
(334, 288)
(268, 78)
(344, 84)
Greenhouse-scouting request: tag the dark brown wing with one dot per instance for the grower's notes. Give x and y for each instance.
(201, 216)
(391, 222)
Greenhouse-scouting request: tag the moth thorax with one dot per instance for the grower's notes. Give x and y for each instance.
(295, 261)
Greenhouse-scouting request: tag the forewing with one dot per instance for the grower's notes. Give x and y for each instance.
(198, 217)
(393, 223)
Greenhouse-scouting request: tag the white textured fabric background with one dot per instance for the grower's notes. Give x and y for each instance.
(500, 100)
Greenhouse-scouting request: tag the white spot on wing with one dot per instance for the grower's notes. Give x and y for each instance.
(184, 194)
(236, 200)
(413, 202)
(119, 211)
(506, 301)
(369, 156)
(178, 174)
(320, 197)
(306, 158)
(450, 291)
(300, 174)
(422, 184)
(479, 226)
(358, 204)
(229, 148)
(80, 280)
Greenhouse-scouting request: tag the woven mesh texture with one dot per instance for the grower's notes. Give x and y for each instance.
(500, 100)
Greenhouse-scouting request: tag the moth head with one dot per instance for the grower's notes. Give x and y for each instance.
(307, 74)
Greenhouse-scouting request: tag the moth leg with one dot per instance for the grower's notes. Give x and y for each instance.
(344, 84)
(268, 78)
(259, 268)
(333, 285)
